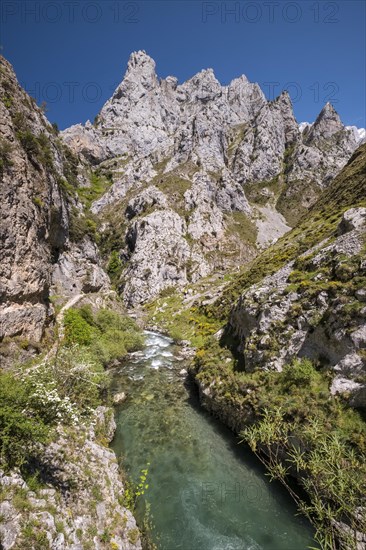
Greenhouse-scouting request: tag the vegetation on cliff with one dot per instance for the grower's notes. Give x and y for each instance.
(61, 388)
(53, 425)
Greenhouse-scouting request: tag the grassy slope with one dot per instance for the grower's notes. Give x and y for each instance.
(347, 190)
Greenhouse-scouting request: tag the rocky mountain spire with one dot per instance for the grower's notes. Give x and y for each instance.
(283, 104)
(139, 77)
(327, 124)
(141, 68)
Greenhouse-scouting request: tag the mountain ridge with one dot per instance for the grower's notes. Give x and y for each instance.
(228, 143)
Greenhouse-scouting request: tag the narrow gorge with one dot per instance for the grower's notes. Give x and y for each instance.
(182, 321)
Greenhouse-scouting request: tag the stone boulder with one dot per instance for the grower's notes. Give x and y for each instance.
(152, 196)
(354, 218)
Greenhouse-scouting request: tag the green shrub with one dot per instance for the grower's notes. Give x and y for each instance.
(115, 266)
(8, 101)
(71, 163)
(99, 184)
(37, 201)
(65, 187)
(37, 148)
(106, 334)
(300, 373)
(133, 340)
(77, 329)
(107, 319)
(133, 535)
(180, 321)
(82, 226)
(5, 156)
(29, 143)
(87, 314)
(45, 154)
(118, 335)
(34, 536)
(21, 426)
(109, 347)
(105, 536)
(21, 501)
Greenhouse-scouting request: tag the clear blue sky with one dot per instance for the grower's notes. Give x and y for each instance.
(317, 45)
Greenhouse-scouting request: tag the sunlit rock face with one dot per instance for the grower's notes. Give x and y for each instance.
(36, 252)
(248, 168)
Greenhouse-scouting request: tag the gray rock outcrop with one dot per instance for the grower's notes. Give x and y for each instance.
(48, 509)
(276, 323)
(161, 233)
(78, 269)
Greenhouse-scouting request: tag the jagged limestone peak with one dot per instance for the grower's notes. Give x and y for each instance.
(329, 114)
(284, 99)
(141, 67)
(283, 104)
(140, 73)
(327, 123)
(139, 59)
(203, 86)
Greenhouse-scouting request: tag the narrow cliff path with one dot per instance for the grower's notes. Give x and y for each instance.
(60, 328)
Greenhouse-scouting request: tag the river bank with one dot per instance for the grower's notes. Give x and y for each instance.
(60, 483)
(79, 503)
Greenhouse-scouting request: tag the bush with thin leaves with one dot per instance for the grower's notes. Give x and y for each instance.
(22, 427)
(77, 329)
(331, 471)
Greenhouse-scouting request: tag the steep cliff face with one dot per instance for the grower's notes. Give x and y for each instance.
(36, 250)
(32, 203)
(233, 166)
(313, 306)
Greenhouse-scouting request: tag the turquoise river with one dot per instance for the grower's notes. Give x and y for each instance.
(206, 492)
